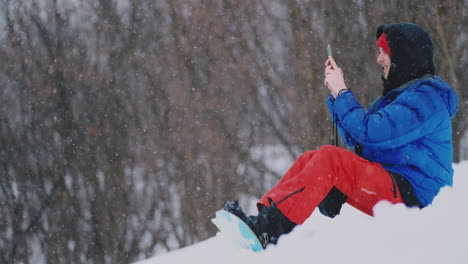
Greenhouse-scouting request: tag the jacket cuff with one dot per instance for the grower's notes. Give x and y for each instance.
(344, 104)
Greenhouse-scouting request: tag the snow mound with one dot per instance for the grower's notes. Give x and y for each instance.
(436, 234)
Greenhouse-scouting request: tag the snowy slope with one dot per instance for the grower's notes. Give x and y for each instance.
(437, 234)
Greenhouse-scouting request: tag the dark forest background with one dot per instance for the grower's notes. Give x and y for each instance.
(125, 124)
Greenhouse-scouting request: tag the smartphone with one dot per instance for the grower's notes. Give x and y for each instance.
(329, 52)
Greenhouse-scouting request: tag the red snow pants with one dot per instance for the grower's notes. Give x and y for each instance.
(316, 172)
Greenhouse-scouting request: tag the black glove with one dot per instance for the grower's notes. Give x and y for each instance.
(331, 205)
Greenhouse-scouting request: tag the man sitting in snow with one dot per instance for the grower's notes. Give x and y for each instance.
(403, 143)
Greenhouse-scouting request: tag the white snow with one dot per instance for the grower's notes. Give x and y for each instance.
(437, 234)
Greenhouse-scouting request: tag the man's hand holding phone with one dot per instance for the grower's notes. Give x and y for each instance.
(334, 79)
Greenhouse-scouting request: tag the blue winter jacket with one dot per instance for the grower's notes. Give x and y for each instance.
(408, 131)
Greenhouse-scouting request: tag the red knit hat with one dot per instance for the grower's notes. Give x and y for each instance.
(383, 43)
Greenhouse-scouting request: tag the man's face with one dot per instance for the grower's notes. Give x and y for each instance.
(384, 60)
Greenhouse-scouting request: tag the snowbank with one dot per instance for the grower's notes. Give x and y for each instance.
(436, 234)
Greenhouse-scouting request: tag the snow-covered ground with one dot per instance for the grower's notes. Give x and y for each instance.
(437, 234)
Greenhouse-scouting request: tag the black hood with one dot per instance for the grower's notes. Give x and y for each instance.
(411, 53)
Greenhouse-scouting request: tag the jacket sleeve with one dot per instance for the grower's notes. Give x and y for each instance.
(345, 136)
(413, 114)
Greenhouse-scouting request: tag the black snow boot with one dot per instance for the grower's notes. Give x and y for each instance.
(269, 225)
